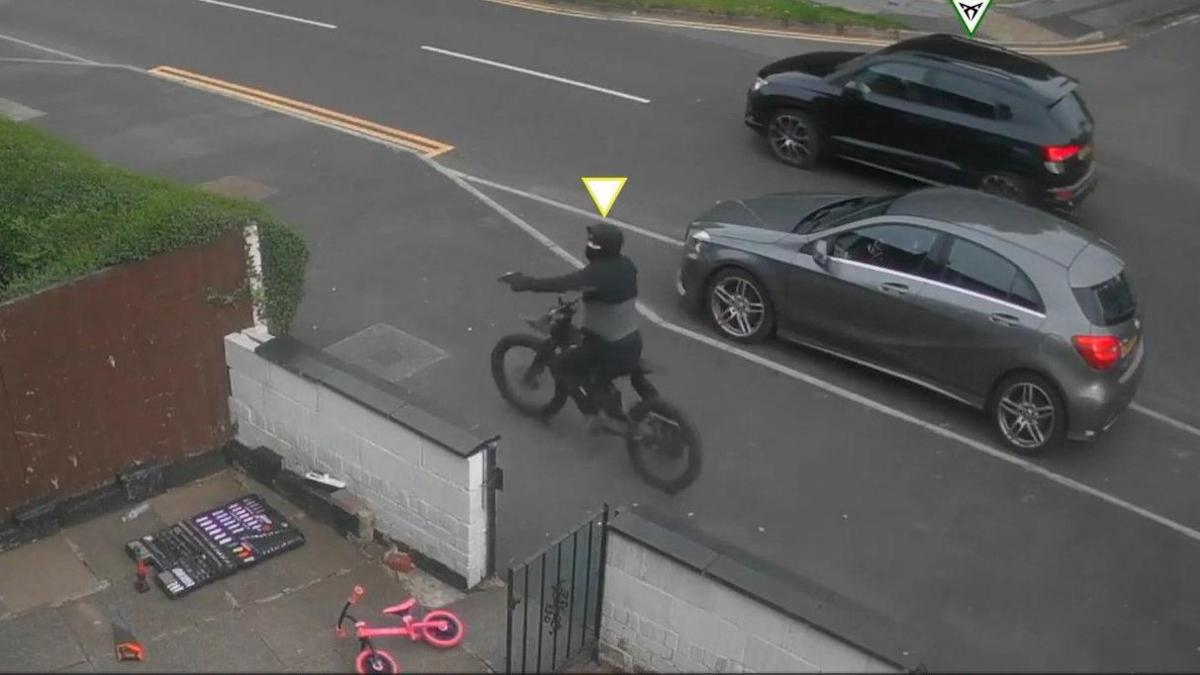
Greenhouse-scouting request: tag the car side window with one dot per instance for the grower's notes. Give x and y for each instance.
(900, 248)
(956, 93)
(895, 80)
(974, 268)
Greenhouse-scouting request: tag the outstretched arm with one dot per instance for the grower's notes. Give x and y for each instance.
(578, 280)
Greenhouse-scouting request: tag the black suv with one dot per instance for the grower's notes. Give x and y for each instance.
(941, 109)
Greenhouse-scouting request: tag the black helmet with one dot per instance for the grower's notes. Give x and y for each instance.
(604, 239)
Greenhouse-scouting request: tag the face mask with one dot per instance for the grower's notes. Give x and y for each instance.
(591, 253)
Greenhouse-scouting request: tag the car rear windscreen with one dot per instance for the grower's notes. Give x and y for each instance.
(1070, 113)
(1109, 303)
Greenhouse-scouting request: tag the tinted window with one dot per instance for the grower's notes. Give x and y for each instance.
(901, 248)
(956, 93)
(1070, 114)
(897, 80)
(1109, 303)
(974, 268)
(840, 213)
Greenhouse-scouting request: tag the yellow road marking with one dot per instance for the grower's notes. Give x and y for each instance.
(1047, 50)
(427, 147)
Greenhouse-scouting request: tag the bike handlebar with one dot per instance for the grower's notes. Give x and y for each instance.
(356, 595)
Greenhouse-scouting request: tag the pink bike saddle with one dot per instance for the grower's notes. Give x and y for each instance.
(402, 607)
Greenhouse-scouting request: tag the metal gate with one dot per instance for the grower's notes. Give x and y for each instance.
(554, 601)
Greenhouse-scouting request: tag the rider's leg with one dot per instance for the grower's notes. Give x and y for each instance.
(572, 369)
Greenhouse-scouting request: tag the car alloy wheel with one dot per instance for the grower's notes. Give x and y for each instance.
(738, 306)
(793, 137)
(1027, 415)
(1006, 186)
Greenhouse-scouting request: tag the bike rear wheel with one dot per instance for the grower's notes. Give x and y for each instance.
(661, 436)
(451, 635)
(519, 375)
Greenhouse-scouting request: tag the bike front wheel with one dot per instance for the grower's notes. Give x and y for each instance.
(663, 445)
(522, 374)
(372, 660)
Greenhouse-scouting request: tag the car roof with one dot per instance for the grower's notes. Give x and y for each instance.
(1024, 226)
(1021, 72)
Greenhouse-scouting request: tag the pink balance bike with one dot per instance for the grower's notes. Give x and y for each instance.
(439, 628)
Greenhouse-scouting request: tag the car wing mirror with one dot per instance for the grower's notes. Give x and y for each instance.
(820, 252)
(854, 89)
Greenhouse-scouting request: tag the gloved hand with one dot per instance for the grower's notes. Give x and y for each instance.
(519, 282)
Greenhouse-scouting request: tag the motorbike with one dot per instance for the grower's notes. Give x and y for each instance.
(656, 432)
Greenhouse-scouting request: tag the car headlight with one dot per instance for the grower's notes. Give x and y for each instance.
(695, 239)
(759, 83)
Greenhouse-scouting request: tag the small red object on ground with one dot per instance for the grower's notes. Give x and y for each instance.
(141, 585)
(399, 561)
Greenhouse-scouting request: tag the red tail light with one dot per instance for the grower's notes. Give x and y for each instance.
(1061, 153)
(1100, 351)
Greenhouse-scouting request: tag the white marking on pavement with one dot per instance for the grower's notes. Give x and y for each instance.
(1166, 419)
(574, 83)
(650, 234)
(1171, 421)
(834, 389)
(80, 64)
(310, 22)
(50, 50)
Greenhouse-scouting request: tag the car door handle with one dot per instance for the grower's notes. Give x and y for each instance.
(894, 287)
(1005, 319)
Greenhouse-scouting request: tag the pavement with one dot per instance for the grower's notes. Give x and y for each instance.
(59, 597)
(1076, 562)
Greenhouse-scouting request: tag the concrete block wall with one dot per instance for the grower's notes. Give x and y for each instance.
(662, 616)
(422, 494)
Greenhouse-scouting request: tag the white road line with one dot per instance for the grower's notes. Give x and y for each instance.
(310, 22)
(50, 50)
(834, 389)
(535, 73)
(64, 62)
(1171, 421)
(1165, 419)
(650, 234)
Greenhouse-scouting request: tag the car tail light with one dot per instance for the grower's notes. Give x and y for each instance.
(1100, 351)
(1061, 153)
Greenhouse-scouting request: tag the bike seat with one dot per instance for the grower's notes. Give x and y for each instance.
(402, 608)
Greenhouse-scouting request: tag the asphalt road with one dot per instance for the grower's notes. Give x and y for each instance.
(1001, 566)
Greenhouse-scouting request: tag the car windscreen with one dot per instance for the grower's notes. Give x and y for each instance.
(1108, 303)
(838, 213)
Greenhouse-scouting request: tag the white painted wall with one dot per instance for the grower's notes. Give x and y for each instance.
(421, 493)
(662, 616)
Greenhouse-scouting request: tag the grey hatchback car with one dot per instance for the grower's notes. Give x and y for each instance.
(998, 305)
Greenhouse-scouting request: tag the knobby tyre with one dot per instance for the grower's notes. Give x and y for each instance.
(525, 348)
(662, 434)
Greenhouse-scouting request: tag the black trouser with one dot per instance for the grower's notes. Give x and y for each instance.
(584, 369)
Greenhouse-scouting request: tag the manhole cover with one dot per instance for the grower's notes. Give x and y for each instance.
(387, 352)
(238, 187)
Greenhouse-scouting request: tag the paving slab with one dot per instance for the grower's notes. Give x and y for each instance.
(202, 495)
(243, 650)
(101, 542)
(39, 641)
(44, 572)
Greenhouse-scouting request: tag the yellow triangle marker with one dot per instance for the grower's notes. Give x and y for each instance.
(604, 191)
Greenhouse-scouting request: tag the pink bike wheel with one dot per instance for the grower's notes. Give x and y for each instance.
(376, 661)
(451, 636)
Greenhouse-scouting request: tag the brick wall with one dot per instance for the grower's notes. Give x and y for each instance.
(662, 616)
(421, 493)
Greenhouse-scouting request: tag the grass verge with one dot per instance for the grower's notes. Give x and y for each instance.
(65, 214)
(790, 11)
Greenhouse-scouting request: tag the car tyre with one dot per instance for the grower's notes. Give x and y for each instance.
(1006, 185)
(738, 306)
(795, 137)
(1028, 413)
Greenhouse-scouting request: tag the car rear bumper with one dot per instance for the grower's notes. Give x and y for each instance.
(1067, 197)
(1092, 410)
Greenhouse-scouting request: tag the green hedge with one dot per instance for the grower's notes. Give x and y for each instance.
(64, 214)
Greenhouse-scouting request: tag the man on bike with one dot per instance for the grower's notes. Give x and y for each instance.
(612, 343)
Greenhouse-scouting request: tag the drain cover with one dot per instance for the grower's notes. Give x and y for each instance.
(387, 352)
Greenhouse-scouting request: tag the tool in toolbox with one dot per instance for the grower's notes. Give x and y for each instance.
(214, 544)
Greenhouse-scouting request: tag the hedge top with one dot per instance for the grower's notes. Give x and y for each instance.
(64, 214)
